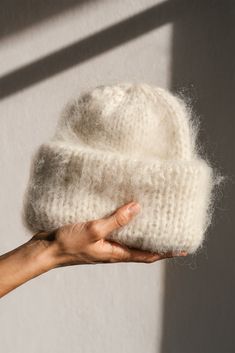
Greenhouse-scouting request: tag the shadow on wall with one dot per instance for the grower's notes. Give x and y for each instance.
(17, 15)
(91, 46)
(199, 309)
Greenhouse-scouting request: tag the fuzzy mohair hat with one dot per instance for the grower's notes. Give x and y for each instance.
(119, 143)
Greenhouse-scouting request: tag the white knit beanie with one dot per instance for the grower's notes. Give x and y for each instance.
(119, 143)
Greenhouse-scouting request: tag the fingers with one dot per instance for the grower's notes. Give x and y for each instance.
(134, 255)
(148, 257)
(122, 253)
(100, 228)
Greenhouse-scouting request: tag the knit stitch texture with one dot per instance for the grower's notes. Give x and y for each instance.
(119, 143)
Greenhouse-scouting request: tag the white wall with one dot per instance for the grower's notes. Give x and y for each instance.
(105, 308)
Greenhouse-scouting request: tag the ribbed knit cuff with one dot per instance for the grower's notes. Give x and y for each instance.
(71, 183)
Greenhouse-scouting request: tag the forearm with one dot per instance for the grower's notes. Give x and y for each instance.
(24, 263)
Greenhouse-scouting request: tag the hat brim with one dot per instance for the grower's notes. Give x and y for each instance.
(73, 183)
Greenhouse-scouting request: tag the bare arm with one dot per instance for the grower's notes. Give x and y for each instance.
(24, 263)
(72, 244)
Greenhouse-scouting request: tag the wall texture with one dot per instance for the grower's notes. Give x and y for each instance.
(201, 293)
(50, 50)
(48, 55)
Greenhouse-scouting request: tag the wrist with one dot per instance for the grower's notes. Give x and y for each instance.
(45, 249)
(40, 250)
(21, 264)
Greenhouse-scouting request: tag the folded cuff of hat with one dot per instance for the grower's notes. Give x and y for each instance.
(71, 184)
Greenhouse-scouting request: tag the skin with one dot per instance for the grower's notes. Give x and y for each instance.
(73, 244)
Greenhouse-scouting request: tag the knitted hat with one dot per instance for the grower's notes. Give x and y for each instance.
(121, 143)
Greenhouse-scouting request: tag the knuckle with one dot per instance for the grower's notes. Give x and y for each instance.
(121, 218)
(121, 255)
(125, 256)
(94, 228)
(149, 260)
(112, 260)
(152, 260)
(76, 227)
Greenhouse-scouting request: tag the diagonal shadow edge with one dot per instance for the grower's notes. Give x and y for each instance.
(91, 46)
(31, 12)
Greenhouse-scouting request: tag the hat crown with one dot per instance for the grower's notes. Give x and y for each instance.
(132, 119)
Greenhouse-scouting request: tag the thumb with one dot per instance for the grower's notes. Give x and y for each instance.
(119, 218)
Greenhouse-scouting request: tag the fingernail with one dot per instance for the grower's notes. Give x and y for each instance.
(183, 253)
(134, 208)
(180, 253)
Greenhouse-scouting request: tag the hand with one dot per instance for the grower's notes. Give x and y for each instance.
(72, 244)
(87, 243)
